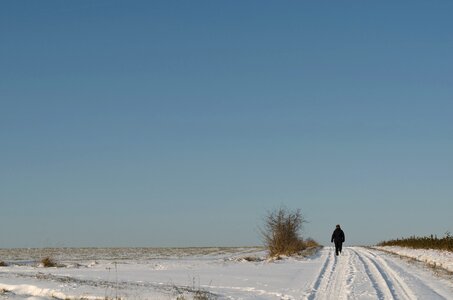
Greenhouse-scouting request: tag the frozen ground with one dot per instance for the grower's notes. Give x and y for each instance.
(217, 273)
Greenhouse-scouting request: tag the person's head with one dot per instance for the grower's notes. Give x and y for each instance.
(338, 226)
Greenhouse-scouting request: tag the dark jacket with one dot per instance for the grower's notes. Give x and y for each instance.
(337, 236)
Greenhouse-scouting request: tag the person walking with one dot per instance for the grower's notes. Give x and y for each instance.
(338, 238)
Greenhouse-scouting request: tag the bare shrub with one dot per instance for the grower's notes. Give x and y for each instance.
(48, 262)
(3, 264)
(200, 295)
(281, 232)
(311, 243)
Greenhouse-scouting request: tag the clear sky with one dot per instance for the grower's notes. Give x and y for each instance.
(180, 123)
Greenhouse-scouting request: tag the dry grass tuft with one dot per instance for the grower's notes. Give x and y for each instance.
(250, 259)
(48, 262)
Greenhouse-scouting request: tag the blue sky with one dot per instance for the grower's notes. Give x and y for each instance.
(180, 123)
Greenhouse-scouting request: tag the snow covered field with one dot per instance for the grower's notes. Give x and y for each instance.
(216, 273)
(443, 259)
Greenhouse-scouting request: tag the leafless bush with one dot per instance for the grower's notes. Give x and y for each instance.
(201, 295)
(281, 232)
(311, 243)
(48, 262)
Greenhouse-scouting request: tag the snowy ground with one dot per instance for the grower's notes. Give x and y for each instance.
(217, 273)
(437, 258)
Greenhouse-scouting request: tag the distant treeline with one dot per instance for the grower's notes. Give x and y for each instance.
(427, 242)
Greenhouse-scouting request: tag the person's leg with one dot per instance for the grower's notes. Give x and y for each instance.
(336, 248)
(340, 247)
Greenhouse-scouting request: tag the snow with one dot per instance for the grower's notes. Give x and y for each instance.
(437, 258)
(219, 273)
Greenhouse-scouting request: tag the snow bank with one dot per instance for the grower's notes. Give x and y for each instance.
(438, 258)
(34, 292)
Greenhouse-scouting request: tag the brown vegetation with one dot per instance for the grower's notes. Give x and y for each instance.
(281, 233)
(429, 242)
(250, 259)
(48, 262)
(311, 243)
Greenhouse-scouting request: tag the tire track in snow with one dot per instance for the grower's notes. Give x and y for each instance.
(394, 282)
(335, 277)
(361, 273)
(336, 286)
(352, 270)
(405, 278)
(382, 292)
(320, 278)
